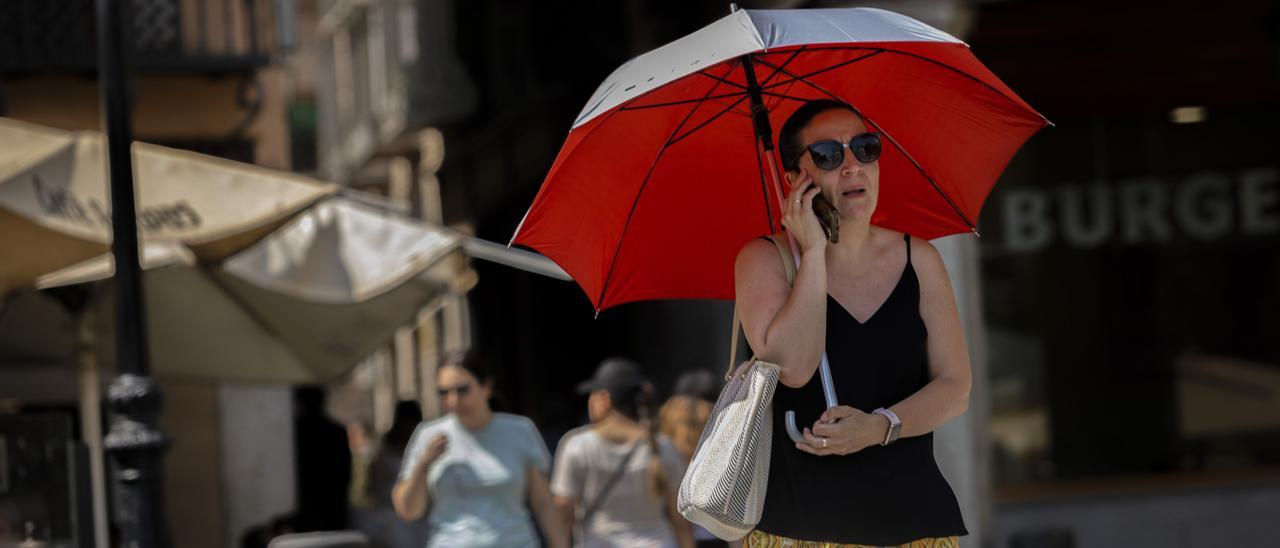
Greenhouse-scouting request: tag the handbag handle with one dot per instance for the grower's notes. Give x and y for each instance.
(784, 250)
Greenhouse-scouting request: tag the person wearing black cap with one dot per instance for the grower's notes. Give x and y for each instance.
(616, 479)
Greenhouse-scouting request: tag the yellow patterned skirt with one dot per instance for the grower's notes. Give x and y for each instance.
(761, 539)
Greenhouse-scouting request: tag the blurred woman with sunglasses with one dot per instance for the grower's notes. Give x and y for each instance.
(476, 473)
(880, 303)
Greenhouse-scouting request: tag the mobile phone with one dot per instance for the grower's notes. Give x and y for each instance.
(828, 217)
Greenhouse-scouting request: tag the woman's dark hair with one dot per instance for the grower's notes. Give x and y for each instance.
(472, 363)
(789, 146)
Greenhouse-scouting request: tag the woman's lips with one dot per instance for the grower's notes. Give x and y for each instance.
(857, 192)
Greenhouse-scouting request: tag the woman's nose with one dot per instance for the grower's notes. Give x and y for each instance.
(851, 163)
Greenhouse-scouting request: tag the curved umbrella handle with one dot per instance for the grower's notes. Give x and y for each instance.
(828, 392)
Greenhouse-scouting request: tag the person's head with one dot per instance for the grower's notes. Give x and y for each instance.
(828, 140)
(619, 387)
(464, 386)
(682, 419)
(407, 416)
(698, 383)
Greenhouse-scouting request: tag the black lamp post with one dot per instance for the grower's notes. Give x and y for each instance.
(134, 441)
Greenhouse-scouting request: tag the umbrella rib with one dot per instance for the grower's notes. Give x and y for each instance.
(726, 110)
(784, 96)
(794, 78)
(608, 277)
(775, 74)
(904, 152)
(684, 102)
(764, 83)
(723, 80)
(936, 62)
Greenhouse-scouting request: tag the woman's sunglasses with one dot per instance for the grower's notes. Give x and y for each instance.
(461, 389)
(829, 155)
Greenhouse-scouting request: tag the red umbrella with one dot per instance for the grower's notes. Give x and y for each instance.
(669, 170)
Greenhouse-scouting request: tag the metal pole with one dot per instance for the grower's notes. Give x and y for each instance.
(134, 442)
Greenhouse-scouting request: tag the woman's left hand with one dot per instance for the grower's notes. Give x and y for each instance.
(843, 430)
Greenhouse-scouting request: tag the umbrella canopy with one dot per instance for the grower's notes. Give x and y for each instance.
(55, 210)
(661, 181)
(303, 305)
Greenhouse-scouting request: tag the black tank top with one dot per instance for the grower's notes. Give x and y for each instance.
(882, 495)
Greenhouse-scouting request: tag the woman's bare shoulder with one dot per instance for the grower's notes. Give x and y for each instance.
(928, 263)
(757, 252)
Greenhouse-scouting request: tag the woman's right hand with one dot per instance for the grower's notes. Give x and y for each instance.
(799, 218)
(435, 448)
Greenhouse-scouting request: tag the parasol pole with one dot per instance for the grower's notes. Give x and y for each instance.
(135, 443)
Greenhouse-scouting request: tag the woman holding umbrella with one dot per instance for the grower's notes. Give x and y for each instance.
(881, 304)
(671, 166)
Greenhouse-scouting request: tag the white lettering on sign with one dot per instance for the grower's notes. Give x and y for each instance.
(1258, 197)
(1087, 214)
(1204, 206)
(1026, 220)
(1142, 208)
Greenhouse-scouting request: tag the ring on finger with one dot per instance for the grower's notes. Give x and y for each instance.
(824, 443)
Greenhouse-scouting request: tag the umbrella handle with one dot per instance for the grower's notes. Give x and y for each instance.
(828, 392)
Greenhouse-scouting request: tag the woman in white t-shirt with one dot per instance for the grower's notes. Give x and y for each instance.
(616, 479)
(476, 473)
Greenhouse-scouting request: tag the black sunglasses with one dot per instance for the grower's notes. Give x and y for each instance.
(462, 390)
(829, 155)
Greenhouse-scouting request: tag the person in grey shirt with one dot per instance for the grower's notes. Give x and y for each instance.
(617, 478)
(476, 473)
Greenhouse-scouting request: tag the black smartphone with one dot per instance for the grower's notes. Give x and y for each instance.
(828, 217)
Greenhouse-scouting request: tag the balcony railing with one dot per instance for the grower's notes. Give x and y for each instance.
(166, 35)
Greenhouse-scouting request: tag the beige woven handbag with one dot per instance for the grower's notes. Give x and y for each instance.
(724, 486)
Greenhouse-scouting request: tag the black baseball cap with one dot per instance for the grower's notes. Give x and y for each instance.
(698, 383)
(613, 374)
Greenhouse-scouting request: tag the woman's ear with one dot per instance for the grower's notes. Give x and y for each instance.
(790, 176)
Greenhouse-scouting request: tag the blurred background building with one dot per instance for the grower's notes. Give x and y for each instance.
(1122, 306)
(206, 77)
(223, 77)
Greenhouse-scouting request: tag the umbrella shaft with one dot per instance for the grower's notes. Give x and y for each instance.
(759, 114)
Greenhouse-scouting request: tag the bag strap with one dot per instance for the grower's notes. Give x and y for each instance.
(788, 265)
(608, 488)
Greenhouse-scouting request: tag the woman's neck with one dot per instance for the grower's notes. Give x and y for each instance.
(619, 429)
(476, 421)
(855, 241)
